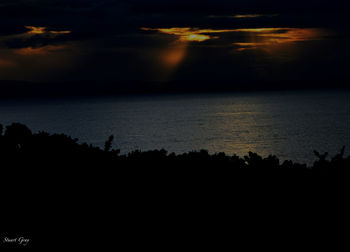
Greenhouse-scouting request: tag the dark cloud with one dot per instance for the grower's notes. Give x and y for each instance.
(88, 17)
(36, 41)
(107, 36)
(7, 29)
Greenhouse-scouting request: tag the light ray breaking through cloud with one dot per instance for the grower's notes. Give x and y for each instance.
(255, 36)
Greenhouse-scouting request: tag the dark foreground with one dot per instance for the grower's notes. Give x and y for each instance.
(62, 193)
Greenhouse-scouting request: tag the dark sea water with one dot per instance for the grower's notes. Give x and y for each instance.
(288, 124)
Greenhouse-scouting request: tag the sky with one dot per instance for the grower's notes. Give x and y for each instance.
(193, 41)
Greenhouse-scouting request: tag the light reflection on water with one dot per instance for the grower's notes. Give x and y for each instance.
(290, 125)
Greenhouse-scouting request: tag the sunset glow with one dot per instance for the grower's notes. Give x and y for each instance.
(60, 32)
(43, 30)
(172, 56)
(6, 63)
(263, 37)
(187, 34)
(266, 35)
(248, 16)
(39, 51)
(170, 40)
(36, 30)
(244, 16)
(273, 40)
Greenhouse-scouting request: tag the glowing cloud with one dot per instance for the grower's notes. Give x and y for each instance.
(241, 16)
(260, 30)
(40, 50)
(36, 30)
(43, 30)
(60, 32)
(248, 16)
(267, 37)
(261, 36)
(172, 56)
(187, 34)
(4, 63)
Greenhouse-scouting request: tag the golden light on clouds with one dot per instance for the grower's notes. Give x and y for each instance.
(275, 41)
(4, 63)
(248, 16)
(43, 30)
(258, 36)
(196, 37)
(187, 34)
(171, 56)
(60, 32)
(28, 51)
(245, 16)
(36, 30)
(259, 30)
(268, 37)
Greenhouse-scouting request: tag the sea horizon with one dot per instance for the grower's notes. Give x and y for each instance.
(289, 124)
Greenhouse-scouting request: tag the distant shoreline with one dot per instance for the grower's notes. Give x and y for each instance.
(76, 89)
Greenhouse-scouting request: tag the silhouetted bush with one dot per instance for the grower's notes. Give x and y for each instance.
(20, 148)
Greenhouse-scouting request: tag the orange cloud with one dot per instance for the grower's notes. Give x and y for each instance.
(36, 30)
(259, 30)
(60, 32)
(43, 30)
(240, 16)
(267, 37)
(187, 34)
(39, 51)
(248, 16)
(259, 36)
(4, 63)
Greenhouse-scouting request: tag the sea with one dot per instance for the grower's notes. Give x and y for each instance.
(289, 124)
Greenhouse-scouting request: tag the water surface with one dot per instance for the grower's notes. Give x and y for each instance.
(288, 124)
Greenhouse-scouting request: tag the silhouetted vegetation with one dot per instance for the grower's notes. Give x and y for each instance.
(55, 181)
(21, 148)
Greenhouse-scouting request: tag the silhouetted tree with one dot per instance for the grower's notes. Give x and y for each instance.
(17, 132)
(17, 135)
(108, 143)
(21, 148)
